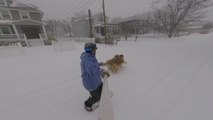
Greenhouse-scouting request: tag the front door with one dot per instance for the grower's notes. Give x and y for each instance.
(31, 32)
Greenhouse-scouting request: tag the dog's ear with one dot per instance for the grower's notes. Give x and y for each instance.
(117, 56)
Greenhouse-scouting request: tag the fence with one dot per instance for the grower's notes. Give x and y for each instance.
(7, 39)
(14, 48)
(84, 39)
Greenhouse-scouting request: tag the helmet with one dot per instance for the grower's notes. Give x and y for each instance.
(89, 47)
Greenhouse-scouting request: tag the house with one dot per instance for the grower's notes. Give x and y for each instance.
(134, 25)
(200, 26)
(81, 26)
(20, 22)
(98, 20)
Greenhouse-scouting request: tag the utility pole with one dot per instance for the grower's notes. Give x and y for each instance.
(105, 26)
(90, 23)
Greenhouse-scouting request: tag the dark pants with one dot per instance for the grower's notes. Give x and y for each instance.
(95, 96)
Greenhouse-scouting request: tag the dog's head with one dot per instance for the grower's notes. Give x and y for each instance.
(122, 57)
(119, 58)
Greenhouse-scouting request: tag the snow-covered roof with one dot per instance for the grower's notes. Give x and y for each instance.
(6, 22)
(17, 4)
(135, 17)
(9, 22)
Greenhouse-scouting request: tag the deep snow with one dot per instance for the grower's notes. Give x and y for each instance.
(164, 79)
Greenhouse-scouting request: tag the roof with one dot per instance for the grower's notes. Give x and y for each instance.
(86, 17)
(21, 22)
(132, 18)
(19, 5)
(108, 25)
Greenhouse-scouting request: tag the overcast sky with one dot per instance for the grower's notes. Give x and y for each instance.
(61, 9)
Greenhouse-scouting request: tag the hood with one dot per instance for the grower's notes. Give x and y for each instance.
(85, 55)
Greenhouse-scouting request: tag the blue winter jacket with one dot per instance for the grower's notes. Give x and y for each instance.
(90, 71)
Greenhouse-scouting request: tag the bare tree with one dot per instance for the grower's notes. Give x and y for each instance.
(177, 12)
(58, 28)
(51, 28)
(66, 27)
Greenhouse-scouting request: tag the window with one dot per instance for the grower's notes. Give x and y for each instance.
(24, 15)
(5, 30)
(2, 3)
(5, 14)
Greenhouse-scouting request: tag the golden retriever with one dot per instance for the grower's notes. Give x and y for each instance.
(115, 63)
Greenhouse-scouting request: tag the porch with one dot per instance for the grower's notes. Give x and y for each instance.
(7, 39)
(28, 32)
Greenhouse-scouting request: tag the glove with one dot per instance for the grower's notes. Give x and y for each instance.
(104, 73)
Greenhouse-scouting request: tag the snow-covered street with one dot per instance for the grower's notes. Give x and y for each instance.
(164, 79)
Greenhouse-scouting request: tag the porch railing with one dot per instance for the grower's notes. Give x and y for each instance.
(42, 37)
(6, 39)
(12, 36)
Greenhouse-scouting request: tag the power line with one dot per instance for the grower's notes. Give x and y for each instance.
(75, 3)
(79, 8)
(100, 7)
(71, 11)
(87, 6)
(76, 6)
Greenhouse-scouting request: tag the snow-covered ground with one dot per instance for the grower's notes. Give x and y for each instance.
(164, 79)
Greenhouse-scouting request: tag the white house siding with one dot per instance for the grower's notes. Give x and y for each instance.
(15, 15)
(35, 16)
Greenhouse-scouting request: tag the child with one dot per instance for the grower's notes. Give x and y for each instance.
(91, 74)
